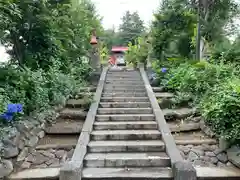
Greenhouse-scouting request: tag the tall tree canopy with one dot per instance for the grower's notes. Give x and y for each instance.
(132, 27)
(42, 32)
(174, 28)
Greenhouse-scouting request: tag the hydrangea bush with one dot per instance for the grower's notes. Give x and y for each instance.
(214, 88)
(11, 112)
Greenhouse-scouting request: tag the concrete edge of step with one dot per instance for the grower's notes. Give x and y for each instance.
(53, 173)
(181, 168)
(73, 168)
(36, 174)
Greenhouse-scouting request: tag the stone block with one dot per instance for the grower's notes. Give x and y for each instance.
(184, 170)
(71, 170)
(234, 155)
(6, 167)
(223, 144)
(10, 150)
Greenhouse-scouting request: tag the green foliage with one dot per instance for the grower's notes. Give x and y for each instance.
(131, 28)
(104, 54)
(137, 52)
(197, 78)
(111, 38)
(212, 87)
(4, 100)
(226, 52)
(172, 30)
(50, 41)
(43, 32)
(221, 109)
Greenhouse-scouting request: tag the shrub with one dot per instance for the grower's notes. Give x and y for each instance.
(215, 88)
(197, 78)
(221, 109)
(4, 100)
(138, 52)
(28, 88)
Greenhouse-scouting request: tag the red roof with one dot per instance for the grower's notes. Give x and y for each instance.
(119, 49)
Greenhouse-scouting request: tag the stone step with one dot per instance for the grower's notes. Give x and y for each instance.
(157, 89)
(88, 89)
(117, 76)
(36, 174)
(121, 125)
(123, 73)
(164, 95)
(218, 173)
(166, 103)
(153, 173)
(65, 127)
(126, 86)
(125, 105)
(133, 159)
(182, 127)
(127, 146)
(123, 69)
(181, 113)
(73, 114)
(120, 94)
(58, 142)
(125, 117)
(137, 82)
(125, 81)
(193, 137)
(123, 90)
(125, 135)
(124, 99)
(125, 110)
(78, 103)
(195, 142)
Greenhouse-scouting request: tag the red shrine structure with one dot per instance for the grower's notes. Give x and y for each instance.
(118, 55)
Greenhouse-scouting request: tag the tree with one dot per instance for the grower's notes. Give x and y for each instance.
(176, 21)
(172, 30)
(111, 38)
(131, 28)
(43, 33)
(214, 16)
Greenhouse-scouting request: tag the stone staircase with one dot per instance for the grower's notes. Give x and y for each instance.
(126, 136)
(125, 141)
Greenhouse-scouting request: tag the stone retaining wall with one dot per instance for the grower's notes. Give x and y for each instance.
(18, 141)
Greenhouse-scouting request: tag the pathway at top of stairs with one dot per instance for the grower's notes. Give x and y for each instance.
(125, 141)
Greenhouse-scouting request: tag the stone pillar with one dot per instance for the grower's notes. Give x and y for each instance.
(95, 56)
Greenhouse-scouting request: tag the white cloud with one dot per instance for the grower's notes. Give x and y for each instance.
(113, 10)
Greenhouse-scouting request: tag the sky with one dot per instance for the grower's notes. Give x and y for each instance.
(113, 10)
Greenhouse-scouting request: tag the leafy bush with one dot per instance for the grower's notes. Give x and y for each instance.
(48, 40)
(4, 100)
(215, 88)
(138, 52)
(26, 87)
(221, 109)
(196, 79)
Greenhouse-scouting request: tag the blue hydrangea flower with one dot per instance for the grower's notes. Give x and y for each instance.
(19, 108)
(7, 116)
(14, 108)
(164, 70)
